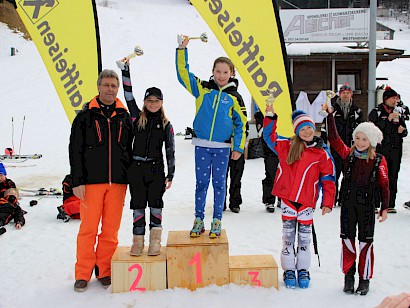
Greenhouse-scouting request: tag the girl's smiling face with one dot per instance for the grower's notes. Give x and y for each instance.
(222, 72)
(361, 141)
(306, 133)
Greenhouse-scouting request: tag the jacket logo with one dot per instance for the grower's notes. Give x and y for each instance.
(37, 9)
(225, 100)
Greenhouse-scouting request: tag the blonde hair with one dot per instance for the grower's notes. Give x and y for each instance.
(371, 153)
(143, 118)
(297, 146)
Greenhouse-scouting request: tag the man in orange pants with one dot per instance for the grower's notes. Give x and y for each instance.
(100, 153)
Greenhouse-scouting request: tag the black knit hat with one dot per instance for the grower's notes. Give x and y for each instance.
(388, 92)
(153, 91)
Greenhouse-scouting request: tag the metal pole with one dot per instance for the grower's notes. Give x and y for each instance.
(371, 102)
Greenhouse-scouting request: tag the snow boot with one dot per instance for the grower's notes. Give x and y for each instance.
(154, 248)
(215, 228)
(270, 207)
(80, 285)
(137, 245)
(62, 214)
(198, 228)
(407, 205)
(349, 280)
(303, 279)
(2, 230)
(363, 287)
(289, 278)
(235, 209)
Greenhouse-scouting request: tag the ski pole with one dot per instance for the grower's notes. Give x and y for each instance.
(315, 243)
(12, 133)
(21, 137)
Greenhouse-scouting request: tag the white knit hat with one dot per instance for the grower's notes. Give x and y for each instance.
(372, 132)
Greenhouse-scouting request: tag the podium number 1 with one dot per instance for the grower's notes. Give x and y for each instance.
(137, 279)
(197, 261)
(255, 275)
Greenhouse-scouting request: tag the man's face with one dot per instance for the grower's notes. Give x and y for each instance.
(2, 178)
(346, 96)
(108, 90)
(391, 101)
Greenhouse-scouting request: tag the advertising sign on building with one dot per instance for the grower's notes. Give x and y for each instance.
(325, 25)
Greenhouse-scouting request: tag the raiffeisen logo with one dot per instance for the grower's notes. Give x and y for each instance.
(37, 9)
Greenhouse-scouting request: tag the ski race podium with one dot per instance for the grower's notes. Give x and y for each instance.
(190, 263)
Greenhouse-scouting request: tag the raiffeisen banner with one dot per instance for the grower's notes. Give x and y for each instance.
(251, 35)
(325, 25)
(66, 35)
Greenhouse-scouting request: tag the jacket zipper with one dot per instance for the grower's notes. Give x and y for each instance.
(109, 150)
(215, 112)
(120, 132)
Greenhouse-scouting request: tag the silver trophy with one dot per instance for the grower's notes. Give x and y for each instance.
(203, 37)
(270, 100)
(137, 52)
(329, 95)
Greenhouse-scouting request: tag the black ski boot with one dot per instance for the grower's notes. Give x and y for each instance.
(2, 230)
(349, 280)
(363, 287)
(62, 214)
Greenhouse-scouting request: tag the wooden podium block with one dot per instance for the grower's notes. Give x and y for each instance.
(255, 270)
(143, 273)
(197, 262)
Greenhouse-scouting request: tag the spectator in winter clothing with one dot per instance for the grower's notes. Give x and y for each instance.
(347, 116)
(219, 116)
(387, 118)
(5, 183)
(10, 209)
(100, 151)
(271, 162)
(71, 204)
(147, 178)
(235, 173)
(365, 175)
(305, 165)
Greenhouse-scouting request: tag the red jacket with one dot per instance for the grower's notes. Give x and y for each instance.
(301, 181)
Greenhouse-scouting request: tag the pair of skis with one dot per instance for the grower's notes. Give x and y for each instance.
(40, 193)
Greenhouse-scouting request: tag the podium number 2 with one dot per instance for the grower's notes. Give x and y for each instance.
(197, 261)
(255, 275)
(137, 279)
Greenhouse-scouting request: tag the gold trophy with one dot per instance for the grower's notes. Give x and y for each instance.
(329, 95)
(137, 52)
(270, 100)
(203, 37)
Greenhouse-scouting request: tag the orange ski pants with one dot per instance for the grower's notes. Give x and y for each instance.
(103, 202)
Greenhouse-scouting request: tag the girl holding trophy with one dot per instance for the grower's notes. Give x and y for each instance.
(365, 174)
(219, 116)
(146, 175)
(305, 164)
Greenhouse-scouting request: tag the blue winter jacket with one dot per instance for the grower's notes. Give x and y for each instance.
(219, 111)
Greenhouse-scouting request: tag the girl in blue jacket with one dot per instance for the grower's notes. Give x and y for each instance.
(219, 116)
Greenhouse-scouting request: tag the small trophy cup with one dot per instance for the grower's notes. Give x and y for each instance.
(270, 100)
(329, 95)
(203, 37)
(137, 52)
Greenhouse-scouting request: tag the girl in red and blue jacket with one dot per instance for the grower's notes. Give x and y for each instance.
(305, 167)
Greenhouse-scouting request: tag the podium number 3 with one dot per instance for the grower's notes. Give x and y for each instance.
(137, 279)
(255, 275)
(197, 261)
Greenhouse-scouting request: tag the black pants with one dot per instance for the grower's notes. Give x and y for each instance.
(393, 158)
(235, 172)
(357, 210)
(339, 167)
(147, 184)
(271, 164)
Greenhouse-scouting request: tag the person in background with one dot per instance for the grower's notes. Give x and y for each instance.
(270, 161)
(10, 209)
(147, 179)
(305, 165)
(219, 116)
(100, 152)
(347, 116)
(387, 118)
(364, 179)
(71, 204)
(5, 183)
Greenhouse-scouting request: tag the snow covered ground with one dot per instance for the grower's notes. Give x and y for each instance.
(37, 262)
